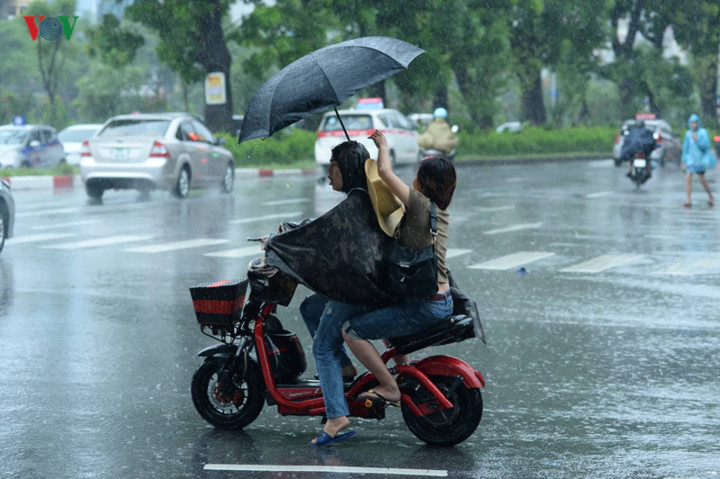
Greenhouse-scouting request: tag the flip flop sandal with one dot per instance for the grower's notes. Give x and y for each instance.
(370, 402)
(326, 439)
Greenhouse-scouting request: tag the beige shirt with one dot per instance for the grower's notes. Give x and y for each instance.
(415, 229)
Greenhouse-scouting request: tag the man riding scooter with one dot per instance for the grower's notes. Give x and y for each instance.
(439, 138)
(638, 140)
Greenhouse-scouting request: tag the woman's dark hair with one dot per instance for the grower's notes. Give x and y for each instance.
(350, 157)
(437, 179)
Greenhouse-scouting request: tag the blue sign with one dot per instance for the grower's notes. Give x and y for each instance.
(19, 121)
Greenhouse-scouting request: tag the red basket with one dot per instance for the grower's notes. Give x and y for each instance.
(219, 303)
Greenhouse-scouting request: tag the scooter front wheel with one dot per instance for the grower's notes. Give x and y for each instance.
(451, 426)
(227, 406)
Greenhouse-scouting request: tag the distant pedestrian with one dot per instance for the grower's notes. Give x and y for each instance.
(697, 157)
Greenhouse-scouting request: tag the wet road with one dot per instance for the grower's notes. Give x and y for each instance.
(602, 359)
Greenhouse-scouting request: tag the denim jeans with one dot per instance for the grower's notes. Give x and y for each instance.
(311, 310)
(327, 345)
(411, 315)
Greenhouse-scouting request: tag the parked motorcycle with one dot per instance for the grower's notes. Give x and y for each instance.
(258, 362)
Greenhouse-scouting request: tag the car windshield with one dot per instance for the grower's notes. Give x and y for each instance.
(12, 137)
(135, 127)
(76, 135)
(352, 122)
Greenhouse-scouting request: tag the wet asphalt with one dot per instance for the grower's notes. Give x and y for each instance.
(600, 369)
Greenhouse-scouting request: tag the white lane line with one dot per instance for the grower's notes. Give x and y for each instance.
(52, 211)
(512, 260)
(63, 225)
(491, 209)
(110, 240)
(286, 202)
(520, 227)
(601, 263)
(451, 253)
(598, 194)
(237, 253)
(42, 237)
(330, 469)
(690, 267)
(164, 247)
(266, 217)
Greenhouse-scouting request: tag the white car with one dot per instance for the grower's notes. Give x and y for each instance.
(399, 131)
(72, 138)
(30, 146)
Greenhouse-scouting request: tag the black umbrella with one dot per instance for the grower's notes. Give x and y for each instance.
(322, 80)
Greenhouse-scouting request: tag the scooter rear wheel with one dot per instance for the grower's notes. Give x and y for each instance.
(451, 426)
(227, 408)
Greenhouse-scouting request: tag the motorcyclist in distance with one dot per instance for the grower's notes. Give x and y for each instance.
(638, 139)
(439, 135)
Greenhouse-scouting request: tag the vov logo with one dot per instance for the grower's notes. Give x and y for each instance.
(50, 27)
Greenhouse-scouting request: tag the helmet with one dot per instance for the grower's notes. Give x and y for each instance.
(640, 122)
(440, 113)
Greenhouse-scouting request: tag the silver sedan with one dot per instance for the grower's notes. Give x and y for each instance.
(172, 151)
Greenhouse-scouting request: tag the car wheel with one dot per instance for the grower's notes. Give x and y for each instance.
(94, 191)
(25, 164)
(182, 185)
(662, 159)
(617, 162)
(228, 178)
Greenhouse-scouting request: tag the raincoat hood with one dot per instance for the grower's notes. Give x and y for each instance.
(693, 118)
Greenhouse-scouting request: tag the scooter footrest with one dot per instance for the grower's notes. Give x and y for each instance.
(451, 330)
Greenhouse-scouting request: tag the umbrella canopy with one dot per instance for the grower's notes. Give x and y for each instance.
(322, 80)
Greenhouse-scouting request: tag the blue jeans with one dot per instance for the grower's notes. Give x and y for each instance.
(311, 310)
(411, 315)
(327, 346)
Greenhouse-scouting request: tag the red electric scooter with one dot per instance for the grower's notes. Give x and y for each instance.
(259, 361)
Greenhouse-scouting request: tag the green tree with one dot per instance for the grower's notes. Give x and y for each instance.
(52, 56)
(698, 29)
(192, 43)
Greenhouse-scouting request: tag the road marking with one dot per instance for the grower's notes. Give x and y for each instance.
(63, 225)
(491, 209)
(237, 253)
(164, 247)
(598, 194)
(47, 212)
(330, 469)
(42, 237)
(601, 263)
(451, 253)
(520, 227)
(110, 240)
(266, 217)
(512, 260)
(690, 267)
(286, 202)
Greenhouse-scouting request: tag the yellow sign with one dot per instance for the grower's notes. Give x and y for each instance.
(215, 89)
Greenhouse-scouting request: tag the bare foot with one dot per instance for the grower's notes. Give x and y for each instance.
(390, 393)
(334, 425)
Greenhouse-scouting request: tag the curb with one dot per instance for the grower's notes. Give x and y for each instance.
(59, 182)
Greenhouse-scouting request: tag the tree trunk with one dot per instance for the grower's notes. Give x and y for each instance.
(440, 99)
(707, 84)
(215, 57)
(533, 105)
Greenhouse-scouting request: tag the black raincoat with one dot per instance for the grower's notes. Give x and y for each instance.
(338, 255)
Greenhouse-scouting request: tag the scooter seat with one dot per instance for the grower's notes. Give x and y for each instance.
(451, 330)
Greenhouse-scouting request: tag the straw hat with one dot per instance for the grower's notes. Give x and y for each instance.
(388, 207)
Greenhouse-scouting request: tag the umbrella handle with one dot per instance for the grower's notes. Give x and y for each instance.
(342, 124)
